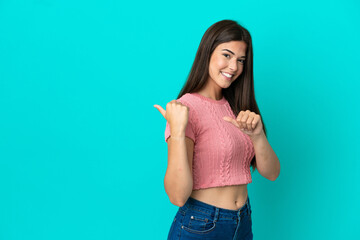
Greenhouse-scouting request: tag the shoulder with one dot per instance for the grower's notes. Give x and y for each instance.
(193, 103)
(189, 100)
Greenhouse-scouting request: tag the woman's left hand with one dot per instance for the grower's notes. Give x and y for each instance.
(248, 122)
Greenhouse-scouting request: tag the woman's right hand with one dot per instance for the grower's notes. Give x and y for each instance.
(177, 115)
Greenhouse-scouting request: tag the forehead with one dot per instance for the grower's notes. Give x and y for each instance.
(237, 47)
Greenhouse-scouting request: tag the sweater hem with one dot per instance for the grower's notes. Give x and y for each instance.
(221, 185)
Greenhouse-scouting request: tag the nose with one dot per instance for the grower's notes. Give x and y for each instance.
(233, 65)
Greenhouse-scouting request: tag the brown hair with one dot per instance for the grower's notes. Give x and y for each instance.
(240, 94)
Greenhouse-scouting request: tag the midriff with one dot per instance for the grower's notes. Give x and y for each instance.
(228, 197)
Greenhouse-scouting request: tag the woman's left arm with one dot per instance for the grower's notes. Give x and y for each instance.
(267, 162)
(250, 123)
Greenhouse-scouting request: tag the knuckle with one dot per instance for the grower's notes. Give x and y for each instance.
(184, 106)
(171, 102)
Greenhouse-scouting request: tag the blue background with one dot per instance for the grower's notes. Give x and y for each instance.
(82, 149)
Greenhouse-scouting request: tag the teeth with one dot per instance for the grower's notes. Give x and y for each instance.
(228, 75)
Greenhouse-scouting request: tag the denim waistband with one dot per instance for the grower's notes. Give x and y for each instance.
(212, 210)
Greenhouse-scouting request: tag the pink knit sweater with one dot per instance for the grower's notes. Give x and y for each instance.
(222, 152)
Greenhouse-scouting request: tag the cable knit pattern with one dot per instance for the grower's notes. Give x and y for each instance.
(222, 152)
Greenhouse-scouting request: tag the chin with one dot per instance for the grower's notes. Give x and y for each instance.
(225, 87)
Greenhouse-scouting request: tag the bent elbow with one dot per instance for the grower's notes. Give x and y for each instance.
(274, 177)
(178, 202)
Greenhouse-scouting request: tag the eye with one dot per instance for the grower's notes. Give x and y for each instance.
(226, 55)
(242, 61)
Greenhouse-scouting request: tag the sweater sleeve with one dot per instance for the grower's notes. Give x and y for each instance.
(190, 130)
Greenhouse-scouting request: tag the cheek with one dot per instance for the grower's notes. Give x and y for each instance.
(221, 63)
(216, 66)
(241, 69)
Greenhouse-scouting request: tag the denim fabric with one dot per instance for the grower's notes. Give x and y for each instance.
(199, 220)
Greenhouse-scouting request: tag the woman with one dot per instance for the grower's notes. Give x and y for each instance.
(214, 133)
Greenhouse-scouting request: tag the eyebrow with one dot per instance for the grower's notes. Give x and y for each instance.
(232, 52)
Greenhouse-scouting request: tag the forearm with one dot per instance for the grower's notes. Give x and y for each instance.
(267, 162)
(178, 178)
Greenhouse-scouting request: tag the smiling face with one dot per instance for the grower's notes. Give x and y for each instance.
(226, 64)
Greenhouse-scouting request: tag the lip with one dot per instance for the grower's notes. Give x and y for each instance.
(228, 73)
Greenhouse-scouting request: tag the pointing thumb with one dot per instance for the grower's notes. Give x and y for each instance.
(161, 110)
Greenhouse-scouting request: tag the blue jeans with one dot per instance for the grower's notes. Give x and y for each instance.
(199, 220)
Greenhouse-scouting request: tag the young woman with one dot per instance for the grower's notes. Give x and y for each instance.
(214, 132)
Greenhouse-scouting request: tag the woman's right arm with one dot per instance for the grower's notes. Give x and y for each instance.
(178, 179)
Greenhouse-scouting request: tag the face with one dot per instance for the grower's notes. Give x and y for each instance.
(226, 63)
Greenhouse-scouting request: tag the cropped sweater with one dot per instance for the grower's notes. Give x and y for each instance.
(222, 152)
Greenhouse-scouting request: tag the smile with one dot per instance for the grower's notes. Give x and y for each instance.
(226, 75)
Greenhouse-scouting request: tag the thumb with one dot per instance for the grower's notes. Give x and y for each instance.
(161, 110)
(231, 120)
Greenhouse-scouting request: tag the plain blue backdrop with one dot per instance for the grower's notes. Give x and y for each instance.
(82, 149)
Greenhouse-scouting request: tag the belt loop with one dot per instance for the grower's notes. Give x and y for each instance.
(216, 217)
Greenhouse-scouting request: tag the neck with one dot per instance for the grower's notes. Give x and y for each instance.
(215, 95)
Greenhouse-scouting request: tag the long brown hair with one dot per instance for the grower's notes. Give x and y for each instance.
(240, 94)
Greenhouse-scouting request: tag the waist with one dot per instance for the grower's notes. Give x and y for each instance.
(230, 197)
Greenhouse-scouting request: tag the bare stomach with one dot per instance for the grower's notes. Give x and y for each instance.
(228, 197)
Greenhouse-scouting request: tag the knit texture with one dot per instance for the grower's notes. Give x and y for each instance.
(222, 152)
